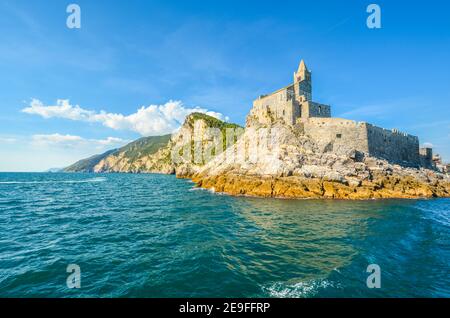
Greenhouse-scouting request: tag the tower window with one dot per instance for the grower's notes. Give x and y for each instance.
(338, 135)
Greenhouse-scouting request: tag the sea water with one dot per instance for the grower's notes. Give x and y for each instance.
(148, 235)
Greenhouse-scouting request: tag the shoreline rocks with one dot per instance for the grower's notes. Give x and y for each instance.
(293, 187)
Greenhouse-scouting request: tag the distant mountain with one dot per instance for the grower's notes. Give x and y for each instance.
(138, 156)
(153, 154)
(54, 170)
(88, 164)
(144, 146)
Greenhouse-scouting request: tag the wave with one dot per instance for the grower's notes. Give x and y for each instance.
(197, 189)
(297, 290)
(98, 179)
(212, 190)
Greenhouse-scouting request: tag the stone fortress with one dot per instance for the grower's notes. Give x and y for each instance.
(293, 105)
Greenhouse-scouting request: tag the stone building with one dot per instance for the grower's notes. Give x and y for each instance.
(293, 105)
(291, 102)
(439, 164)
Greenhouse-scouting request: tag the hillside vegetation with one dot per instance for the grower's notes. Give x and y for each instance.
(153, 154)
(88, 164)
(142, 147)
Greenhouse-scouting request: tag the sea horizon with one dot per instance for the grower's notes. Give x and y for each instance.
(218, 157)
(153, 235)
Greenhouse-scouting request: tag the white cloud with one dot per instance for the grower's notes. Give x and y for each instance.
(56, 138)
(7, 140)
(365, 111)
(382, 108)
(62, 109)
(68, 141)
(147, 120)
(43, 151)
(111, 141)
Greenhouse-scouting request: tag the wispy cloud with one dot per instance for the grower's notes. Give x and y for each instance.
(365, 111)
(443, 124)
(383, 108)
(23, 17)
(7, 140)
(337, 25)
(69, 141)
(147, 120)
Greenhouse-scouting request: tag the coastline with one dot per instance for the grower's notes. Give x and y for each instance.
(314, 188)
(299, 188)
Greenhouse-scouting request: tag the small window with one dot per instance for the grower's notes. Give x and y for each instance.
(338, 135)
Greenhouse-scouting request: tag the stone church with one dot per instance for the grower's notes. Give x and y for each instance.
(293, 105)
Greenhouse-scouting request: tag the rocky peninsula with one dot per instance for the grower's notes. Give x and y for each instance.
(291, 147)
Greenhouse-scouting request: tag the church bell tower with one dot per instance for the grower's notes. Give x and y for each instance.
(302, 83)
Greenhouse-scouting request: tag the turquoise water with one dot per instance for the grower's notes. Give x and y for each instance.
(157, 236)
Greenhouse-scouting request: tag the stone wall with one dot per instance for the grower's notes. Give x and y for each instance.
(293, 105)
(312, 109)
(282, 105)
(304, 88)
(337, 135)
(426, 157)
(342, 136)
(393, 145)
(278, 105)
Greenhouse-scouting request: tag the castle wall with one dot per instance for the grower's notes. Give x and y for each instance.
(426, 157)
(293, 105)
(337, 135)
(312, 109)
(304, 88)
(342, 135)
(426, 153)
(278, 105)
(393, 145)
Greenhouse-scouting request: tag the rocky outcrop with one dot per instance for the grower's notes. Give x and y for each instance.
(155, 154)
(272, 160)
(314, 188)
(281, 161)
(88, 164)
(140, 162)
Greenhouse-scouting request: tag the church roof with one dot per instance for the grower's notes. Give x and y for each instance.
(302, 67)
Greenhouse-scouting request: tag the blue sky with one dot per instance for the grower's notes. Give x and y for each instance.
(213, 55)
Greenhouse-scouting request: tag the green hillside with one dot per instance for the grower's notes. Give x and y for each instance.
(129, 157)
(88, 164)
(138, 148)
(144, 146)
(210, 121)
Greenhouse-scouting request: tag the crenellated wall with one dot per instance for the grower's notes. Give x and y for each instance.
(313, 109)
(342, 135)
(294, 106)
(426, 157)
(337, 135)
(278, 105)
(393, 145)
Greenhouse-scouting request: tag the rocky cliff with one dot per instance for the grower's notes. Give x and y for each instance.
(279, 160)
(130, 155)
(272, 160)
(148, 154)
(155, 154)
